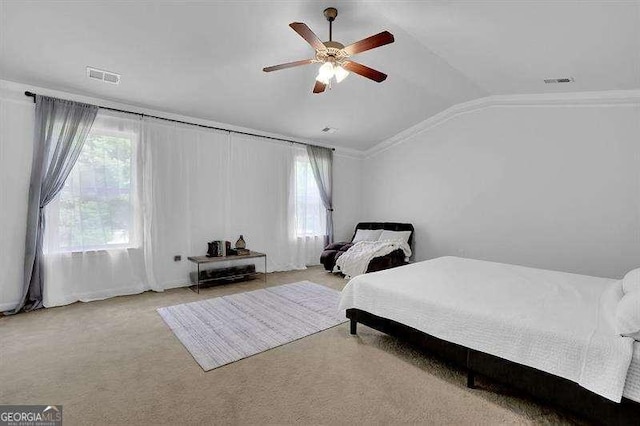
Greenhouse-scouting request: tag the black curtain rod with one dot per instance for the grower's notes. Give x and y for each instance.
(33, 95)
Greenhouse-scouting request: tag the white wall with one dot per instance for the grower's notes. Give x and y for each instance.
(16, 134)
(553, 186)
(347, 195)
(16, 138)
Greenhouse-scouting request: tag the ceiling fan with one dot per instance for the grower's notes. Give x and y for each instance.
(334, 56)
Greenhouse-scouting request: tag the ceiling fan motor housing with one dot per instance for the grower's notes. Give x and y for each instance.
(333, 45)
(334, 53)
(330, 13)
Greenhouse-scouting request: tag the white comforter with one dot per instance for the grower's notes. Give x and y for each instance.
(556, 322)
(355, 261)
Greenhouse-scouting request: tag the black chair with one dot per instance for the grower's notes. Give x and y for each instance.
(333, 251)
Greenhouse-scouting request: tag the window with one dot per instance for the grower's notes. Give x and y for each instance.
(310, 211)
(95, 208)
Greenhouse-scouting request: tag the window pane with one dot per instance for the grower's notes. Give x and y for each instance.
(310, 211)
(95, 205)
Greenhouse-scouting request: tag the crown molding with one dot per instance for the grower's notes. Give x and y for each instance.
(354, 154)
(583, 99)
(14, 91)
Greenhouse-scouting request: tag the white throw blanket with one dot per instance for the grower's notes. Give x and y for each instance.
(556, 322)
(355, 261)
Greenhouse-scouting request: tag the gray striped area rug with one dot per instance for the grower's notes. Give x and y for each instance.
(226, 329)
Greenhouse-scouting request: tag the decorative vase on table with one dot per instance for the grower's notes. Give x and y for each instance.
(241, 244)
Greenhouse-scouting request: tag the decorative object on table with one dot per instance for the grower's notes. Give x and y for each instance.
(221, 248)
(212, 250)
(241, 244)
(226, 329)
(243, 252)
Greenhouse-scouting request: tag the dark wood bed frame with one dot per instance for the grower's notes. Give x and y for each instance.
(539, 384)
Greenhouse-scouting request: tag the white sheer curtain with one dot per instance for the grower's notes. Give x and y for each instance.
(93, 241)
(211, 185)
(310, 213)
(262, 202)
(187, 186)
(185, 193)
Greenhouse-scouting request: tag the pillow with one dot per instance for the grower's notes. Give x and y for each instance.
(395, 236)
(628, 315)
(367, 235)
(631, 281)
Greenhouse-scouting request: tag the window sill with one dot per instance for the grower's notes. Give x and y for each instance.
(92, 252)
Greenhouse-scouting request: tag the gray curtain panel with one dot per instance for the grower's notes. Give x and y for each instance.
(322, 164)
(61, 128)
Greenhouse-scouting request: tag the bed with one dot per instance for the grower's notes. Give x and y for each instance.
(548, 333)
(396, 258)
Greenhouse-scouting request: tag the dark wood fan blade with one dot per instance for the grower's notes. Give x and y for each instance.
(306, 33)
(287, 65)
(364, 71)
(369, 43)
(319, 87)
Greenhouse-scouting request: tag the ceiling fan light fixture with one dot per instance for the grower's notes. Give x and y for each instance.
(340, 73)
(326, 71)
(322, 79)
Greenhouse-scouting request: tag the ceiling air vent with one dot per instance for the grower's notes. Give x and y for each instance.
(102, 75)
(559, 80)
(329, 130)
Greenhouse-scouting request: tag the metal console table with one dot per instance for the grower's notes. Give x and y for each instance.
(201, 260)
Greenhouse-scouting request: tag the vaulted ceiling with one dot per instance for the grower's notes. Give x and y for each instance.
(205, 59)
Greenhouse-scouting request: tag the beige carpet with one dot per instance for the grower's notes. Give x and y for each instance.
(116, 362)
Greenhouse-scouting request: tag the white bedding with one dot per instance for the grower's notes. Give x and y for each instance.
(556, 322)
(632, 384)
